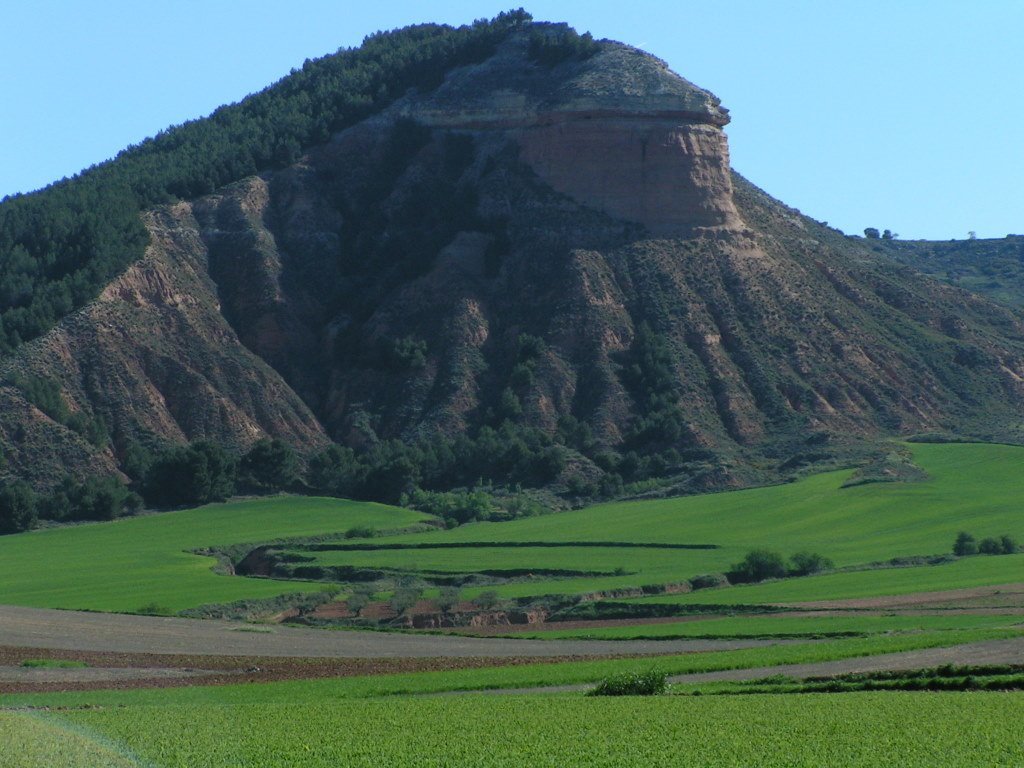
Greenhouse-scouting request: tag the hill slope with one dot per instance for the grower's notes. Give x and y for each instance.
(546, 242)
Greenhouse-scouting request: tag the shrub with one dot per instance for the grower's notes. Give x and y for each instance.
(17, 507)
(1009, 545)
(709, 581)
(360, 532)
(449, 598)
(758, 565)
(805, 563)
(990, 546)
(965, 544)
(404, 598)
(487, 599)
(650, 683)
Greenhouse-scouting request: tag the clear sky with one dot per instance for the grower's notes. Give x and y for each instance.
(905, 114)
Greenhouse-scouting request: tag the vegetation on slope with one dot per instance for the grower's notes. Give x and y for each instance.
(59, 246)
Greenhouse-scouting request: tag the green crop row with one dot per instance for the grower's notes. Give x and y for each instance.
(858, 729)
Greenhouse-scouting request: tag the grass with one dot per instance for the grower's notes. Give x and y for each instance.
(974, 487)
(144, 562)
(784, 626)
(53, 664)
(858, 729)
(137, 562)
(978, 571)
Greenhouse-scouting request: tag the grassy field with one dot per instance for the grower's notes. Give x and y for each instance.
(785, 626)
(130, 563)
(857, 729)
(972, 487)
(967, 572)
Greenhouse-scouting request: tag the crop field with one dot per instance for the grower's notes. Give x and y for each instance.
(971, 487)
(784, 626)
(144, 561)
(857, 729)
(967, 572)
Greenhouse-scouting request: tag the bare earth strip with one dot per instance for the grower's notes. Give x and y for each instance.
(76, 630)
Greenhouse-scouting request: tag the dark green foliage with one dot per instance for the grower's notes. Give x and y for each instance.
(1009, 545)
(336, 471)
(17, 507)
(758, 565)
(990, 546)
(45, 394)
(269, 466)
(190, 474)
(60, 245)
(806, 563)
(965, 544)
(648, 372)
(360, 532)
(550, 46)
(460, 506)
(97, 498)
(650, 683)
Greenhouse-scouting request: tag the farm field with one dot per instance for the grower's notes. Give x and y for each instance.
(857, 729)
(144, 561)
(972, 487)
(976, 571)
(784, 626)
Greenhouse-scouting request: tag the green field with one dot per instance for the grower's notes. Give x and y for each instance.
(972, 487)
(858, 729)
(785, 626)
(130, 563)
(967, 572)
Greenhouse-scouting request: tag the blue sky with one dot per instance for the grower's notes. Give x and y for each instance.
(905, 114)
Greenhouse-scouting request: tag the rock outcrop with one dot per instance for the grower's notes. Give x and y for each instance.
(382, 287)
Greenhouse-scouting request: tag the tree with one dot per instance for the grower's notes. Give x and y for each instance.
(758, 565)
(486, 600)
(805, 563)
(17, 507)
(449, 598)
(965, 544)
(1009, 545)
(990, 546)
(190, 474)
(269, 466)
(871, 233)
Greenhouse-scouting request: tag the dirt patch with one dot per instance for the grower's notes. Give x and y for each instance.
(76, 630)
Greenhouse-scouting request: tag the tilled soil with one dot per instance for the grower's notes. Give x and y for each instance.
(1009, 595)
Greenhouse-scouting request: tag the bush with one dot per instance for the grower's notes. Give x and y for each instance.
(990, 546)
(17, 508)
(805, 563)
(758, 565)
(360, 532)
(964, 545)
(651, 683)
(709, 581)
(449, 598)
(487, 599)
(1009, 545)
(404, 598)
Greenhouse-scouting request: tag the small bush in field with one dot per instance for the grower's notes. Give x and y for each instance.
(650, 683)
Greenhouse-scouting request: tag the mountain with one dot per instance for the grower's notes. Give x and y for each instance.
(530, 261)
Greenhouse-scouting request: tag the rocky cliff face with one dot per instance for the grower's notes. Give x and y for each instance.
(382, 287)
